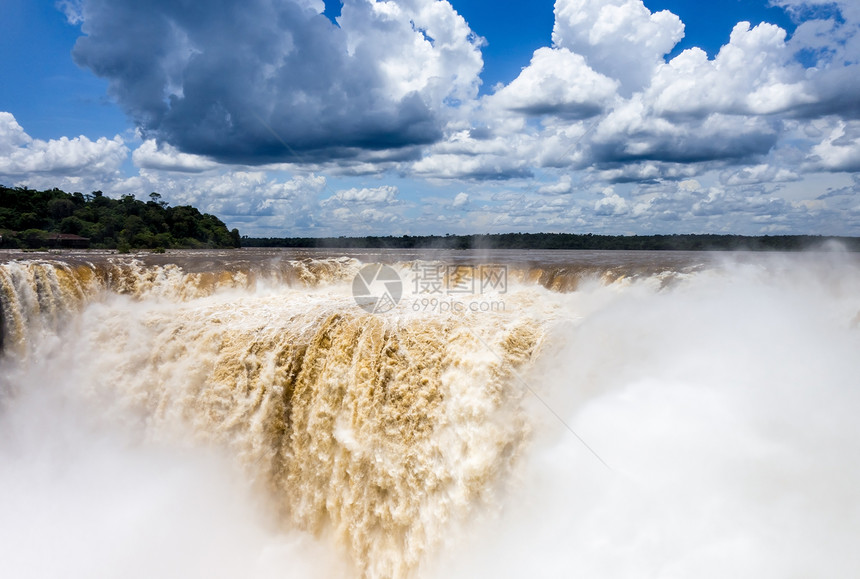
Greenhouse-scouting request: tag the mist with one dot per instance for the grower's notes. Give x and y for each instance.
(725, 408)
(85, 493)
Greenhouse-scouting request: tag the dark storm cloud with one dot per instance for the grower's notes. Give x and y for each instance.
(687, 144)
(250, 82)
(567, 112)
(837, 92)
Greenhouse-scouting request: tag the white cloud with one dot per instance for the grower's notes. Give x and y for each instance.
(752, 74)
(166, 157)
(848, 9)
(563, 186)
(377, 216)
(462, 166)
(671, 120)
(758, 174)
(840, 149)
(73, 10)
(828, 40)
(611, 204)
(368, 221)
(678, 119)
(645, 171)
(632, 132)
(12, 135)
(384, 194)
(621, 39)
(472, 155)
(559, 82)
(22, 156)
(461, 200)
(420, 46)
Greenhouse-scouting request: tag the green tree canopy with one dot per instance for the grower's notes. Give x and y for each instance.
(31, 218)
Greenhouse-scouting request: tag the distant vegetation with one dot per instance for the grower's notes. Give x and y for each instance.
(562, 241)
(54, 218)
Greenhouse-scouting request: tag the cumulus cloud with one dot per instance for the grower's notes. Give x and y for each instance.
(829, 42)
(494, 155)
(377, 216)
(621, 39)
(252, 200)
(607, 99)
(646, 172)
(617, 136)
(274, 80)
(611, 204)
(22, 156)
(753, 74)
(562, 187)
(393, 86)
(12, 135)
(461, 200)
(756, 174)
(385, 194)
(655, 119)
(840, 149)
(166, 157)
(348, 220)
(557, 82)
(821, 9)
(632, 132)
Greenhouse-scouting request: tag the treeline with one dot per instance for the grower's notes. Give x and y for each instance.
(35, 219)
(690, 242)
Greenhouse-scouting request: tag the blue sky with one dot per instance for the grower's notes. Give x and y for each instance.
(427, 116)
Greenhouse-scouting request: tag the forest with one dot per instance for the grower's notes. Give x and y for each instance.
(691, 242)
(31, 219)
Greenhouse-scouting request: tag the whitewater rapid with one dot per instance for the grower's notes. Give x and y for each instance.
(238, 414)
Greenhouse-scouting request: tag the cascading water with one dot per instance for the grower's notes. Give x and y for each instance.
(416, 443)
